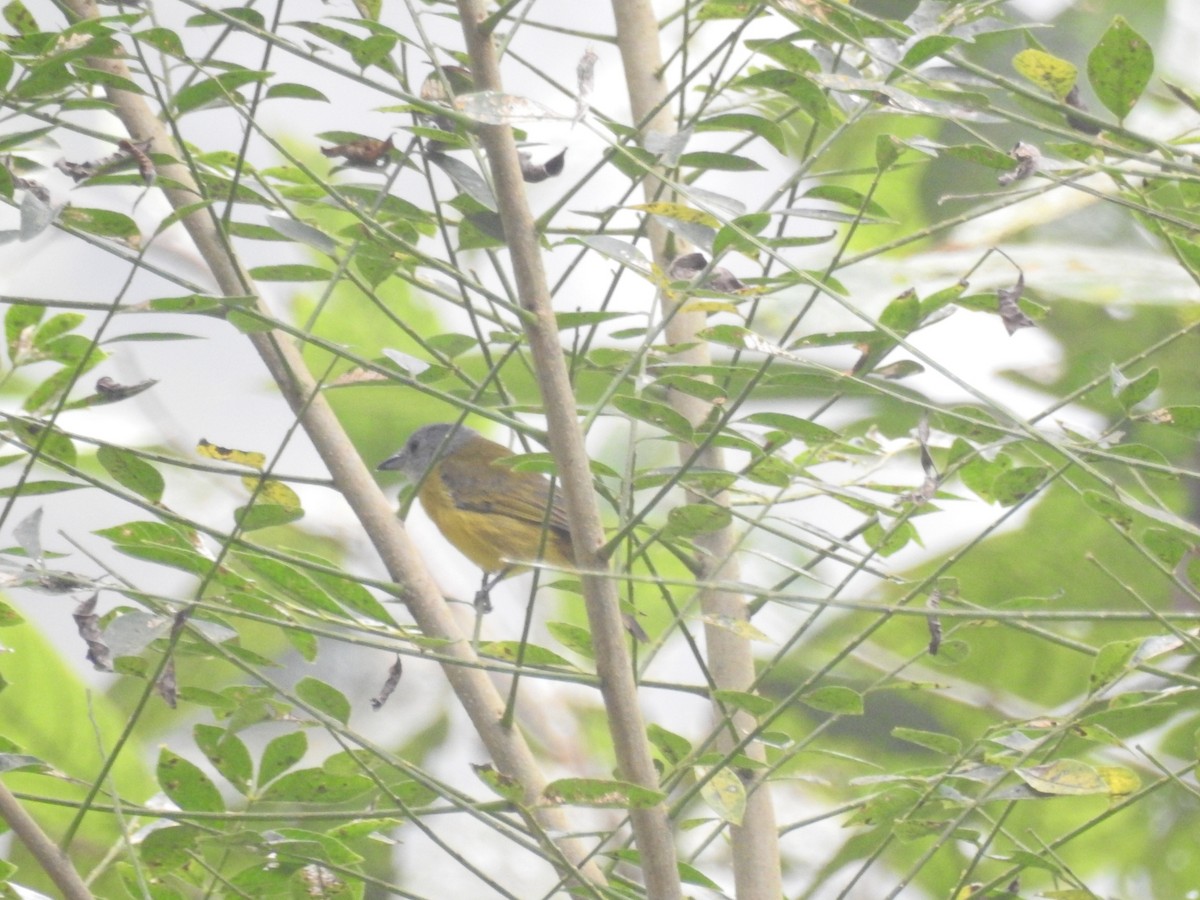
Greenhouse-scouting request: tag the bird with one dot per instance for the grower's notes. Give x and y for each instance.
(495, 516)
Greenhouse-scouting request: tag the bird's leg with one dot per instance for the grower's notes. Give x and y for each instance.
(483, 600)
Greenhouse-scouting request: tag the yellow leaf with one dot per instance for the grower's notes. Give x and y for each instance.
(710, 306)
(680, 212)
(1053, 75)
(725, 794)
(1064, 777)
(225, 454)
(273, 492)
(1119, 779)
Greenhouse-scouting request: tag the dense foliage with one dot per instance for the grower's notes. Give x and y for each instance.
(942, 259)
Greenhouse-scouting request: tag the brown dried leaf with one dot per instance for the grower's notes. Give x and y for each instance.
(358, 376)
(1075, 99)
(166, 685)
(690, 265)
(112, 392)
(126, 151)
(585, 77)
(1028, 159)
(365, 152)
(935, 624)
(145, 164)
(88, 625)
(389, 684)
(1010, 310)
(540, 171)
(932, 479)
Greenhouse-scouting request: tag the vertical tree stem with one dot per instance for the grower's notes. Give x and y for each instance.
(756, 862)
(651, 827)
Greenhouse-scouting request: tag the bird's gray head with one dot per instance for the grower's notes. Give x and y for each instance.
(425, 446)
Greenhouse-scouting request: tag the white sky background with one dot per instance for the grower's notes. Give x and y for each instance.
(217, 389)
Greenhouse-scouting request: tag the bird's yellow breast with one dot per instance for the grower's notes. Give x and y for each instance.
(489, 538)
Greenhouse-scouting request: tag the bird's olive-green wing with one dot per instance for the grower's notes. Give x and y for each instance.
(482, 485)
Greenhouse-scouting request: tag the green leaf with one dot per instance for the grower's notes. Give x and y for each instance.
(37, 488)
(303, 233)
(724, 792)
(373, 50)
(809, 96)
(266, 515)
(1013, 486)
(325, 698)
(930, 740)
(529, 654)
(1129, 392)
(169, 848)
(215, 90)
(1113, 661)
(102, 222)
(340, 39)
(164, 40)
(727, 9)
(131, 472)
(980, 474)
(316, 786)
(834, 699)
(187, 786)
(887, 150)
(979, 155)
(288, 579)
(104, 78)
(281, 754)
(848, 197)
(755, 704)
(1113, 510)
(349, 593)
(1053, 75)
(674, 748)
(723, 162)
(1187, 417)
(601, 793)
(889, 541)
(573, 637)
(20, 18)
(227, 753)
(658, 414)
(733, 235)
(1119, 67)
(54, 443)
(927, 48)
(291, 272)
(745, 122)
(20, 323)
(902, 314)
(295, 92)
(504, 785)
(158, 533)
(55, 327)
(696, 518)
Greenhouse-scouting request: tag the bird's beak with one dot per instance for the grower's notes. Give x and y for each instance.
(392, 462)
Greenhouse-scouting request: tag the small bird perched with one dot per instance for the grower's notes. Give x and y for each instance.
(493, 515)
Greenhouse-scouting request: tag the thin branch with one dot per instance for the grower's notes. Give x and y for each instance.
(52, 860)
